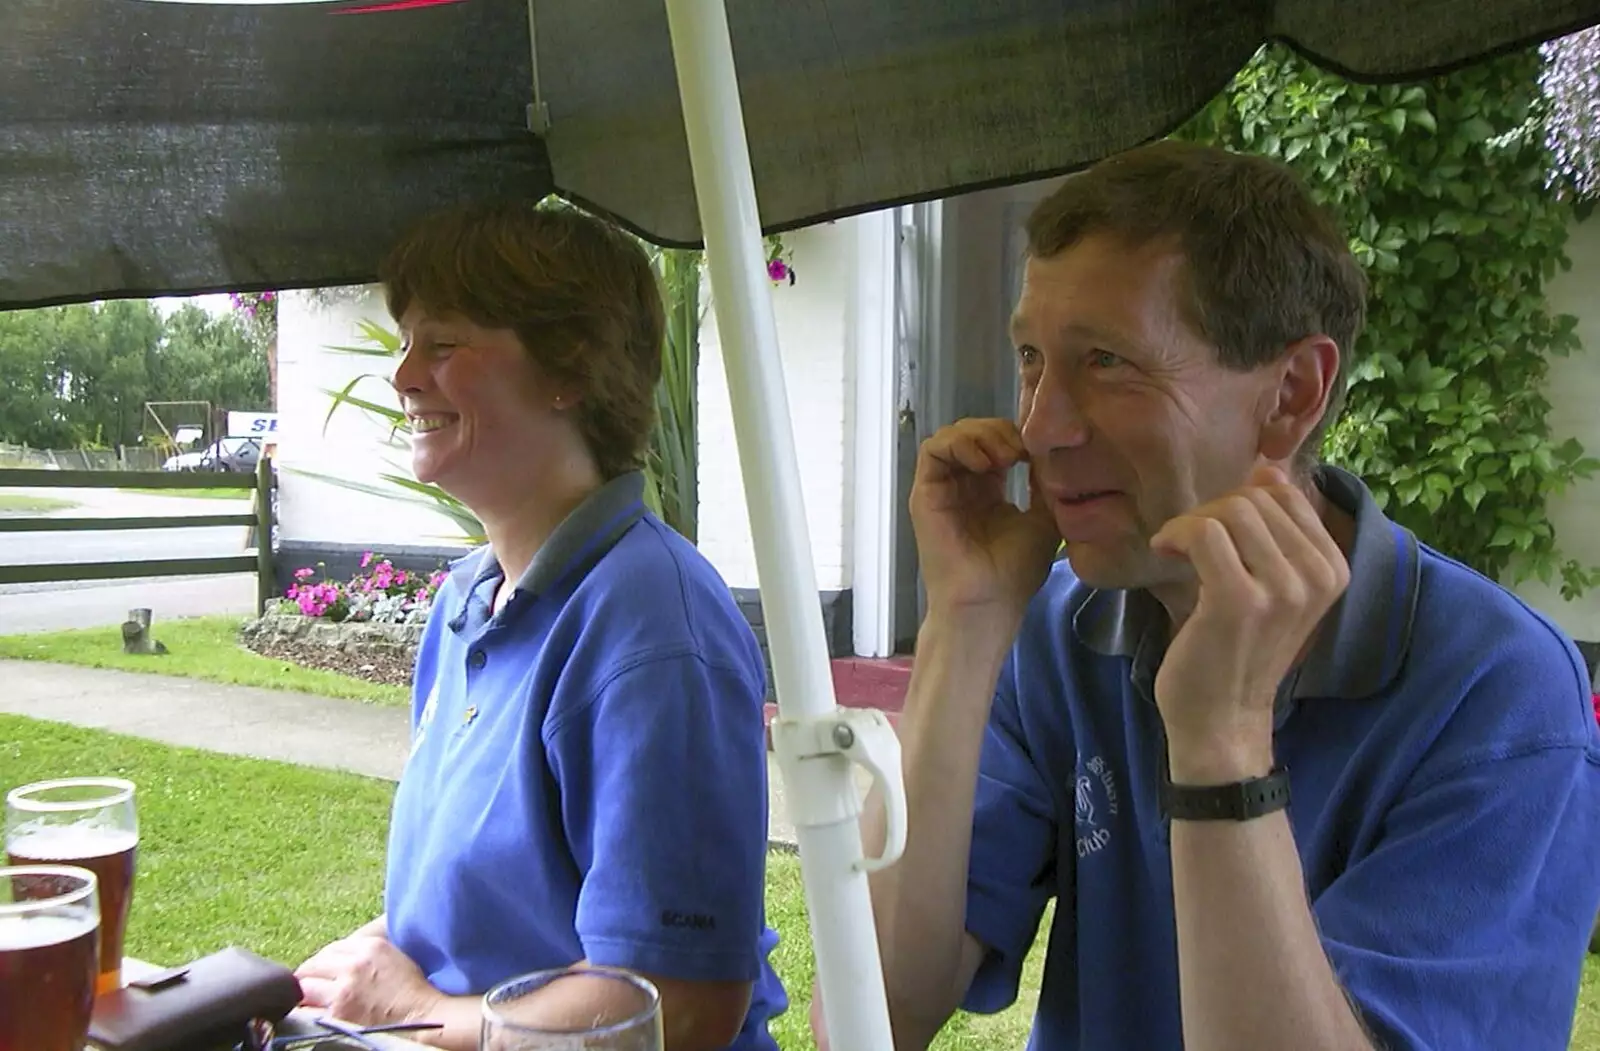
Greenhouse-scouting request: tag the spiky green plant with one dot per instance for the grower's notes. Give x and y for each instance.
(672, 457)
(671, 487)
(380, 342)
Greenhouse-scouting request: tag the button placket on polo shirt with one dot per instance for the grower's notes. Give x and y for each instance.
(474, 662)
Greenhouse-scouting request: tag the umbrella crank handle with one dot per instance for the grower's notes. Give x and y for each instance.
(860, 736)
(867, 738)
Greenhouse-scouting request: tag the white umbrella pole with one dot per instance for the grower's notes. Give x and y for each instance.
(816, 741)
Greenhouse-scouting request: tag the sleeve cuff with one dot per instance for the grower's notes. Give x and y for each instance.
(1006, 938)
(685, 963)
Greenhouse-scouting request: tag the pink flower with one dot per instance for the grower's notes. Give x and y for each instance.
(366, 560)
(777, 269)
(303, 572)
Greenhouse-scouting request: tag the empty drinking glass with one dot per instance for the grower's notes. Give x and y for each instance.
(572, 1009)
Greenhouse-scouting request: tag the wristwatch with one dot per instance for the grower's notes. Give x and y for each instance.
(1238, 801)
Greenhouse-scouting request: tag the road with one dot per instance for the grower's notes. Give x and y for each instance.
(84, 604)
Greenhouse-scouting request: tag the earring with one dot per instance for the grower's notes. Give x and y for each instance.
(558, 402)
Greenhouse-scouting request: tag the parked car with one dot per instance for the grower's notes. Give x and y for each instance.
(225, 454)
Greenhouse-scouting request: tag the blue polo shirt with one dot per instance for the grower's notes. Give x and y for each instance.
(587, 779)
(1445, 782)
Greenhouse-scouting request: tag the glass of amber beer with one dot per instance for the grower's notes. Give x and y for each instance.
(88, 822)
(49, 956)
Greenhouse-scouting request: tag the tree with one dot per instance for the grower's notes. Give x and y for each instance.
(109, 348)
(36, 374)
(81, 374)
(211, 358)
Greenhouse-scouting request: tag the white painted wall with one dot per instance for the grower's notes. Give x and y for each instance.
(350, 444)
(1574, 393)
(818, 376)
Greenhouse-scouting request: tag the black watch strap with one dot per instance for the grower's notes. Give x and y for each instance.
(1239, 801)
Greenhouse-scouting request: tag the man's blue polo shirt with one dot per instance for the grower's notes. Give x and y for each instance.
(587, 778)
(1445, 777)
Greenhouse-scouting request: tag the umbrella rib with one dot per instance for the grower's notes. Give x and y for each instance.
(838, 50)
(538, 112)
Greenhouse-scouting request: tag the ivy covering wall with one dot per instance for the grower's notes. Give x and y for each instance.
(1445, 188)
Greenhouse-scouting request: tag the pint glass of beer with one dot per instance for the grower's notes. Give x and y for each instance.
(88, 822)
(49, 956)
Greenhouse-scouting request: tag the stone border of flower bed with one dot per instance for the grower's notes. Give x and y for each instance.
(295, 627)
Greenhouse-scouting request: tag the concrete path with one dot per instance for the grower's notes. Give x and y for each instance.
(240, 720)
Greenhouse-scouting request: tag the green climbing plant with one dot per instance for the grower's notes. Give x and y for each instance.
(1443, 186)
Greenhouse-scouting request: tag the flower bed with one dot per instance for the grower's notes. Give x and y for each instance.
(368, 626)
(381, 594)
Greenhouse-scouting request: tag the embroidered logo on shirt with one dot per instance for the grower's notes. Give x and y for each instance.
(470, 714)
(1094, 802)
(698, 921)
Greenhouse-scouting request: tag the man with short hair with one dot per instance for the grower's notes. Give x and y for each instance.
(1294, 779)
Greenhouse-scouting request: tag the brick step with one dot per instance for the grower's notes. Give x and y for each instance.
(870, 682)
(864, 682)
(771, 713)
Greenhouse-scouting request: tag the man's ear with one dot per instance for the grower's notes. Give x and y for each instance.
(1295, 405)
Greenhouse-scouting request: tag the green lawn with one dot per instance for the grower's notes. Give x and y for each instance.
(16, 503)
(1586, 1026)
(200, 648)
(786, 912)
(283, 859)
(232, 851)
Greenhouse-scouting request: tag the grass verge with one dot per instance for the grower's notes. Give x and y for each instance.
(200, 648)
(15, 503)
(203, 494)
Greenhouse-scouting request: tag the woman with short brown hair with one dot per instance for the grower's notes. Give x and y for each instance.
(587, 781)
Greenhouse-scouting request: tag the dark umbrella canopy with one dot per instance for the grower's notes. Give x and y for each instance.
(159, 148)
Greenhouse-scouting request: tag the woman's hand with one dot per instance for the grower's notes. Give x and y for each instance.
(365, 980)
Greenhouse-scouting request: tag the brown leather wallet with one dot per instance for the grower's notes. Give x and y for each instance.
(200, 1006)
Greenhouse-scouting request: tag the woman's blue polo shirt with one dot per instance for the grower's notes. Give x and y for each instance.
(587, 778)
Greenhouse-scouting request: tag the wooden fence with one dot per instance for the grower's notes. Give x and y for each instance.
(261, 519)
(122, 458)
